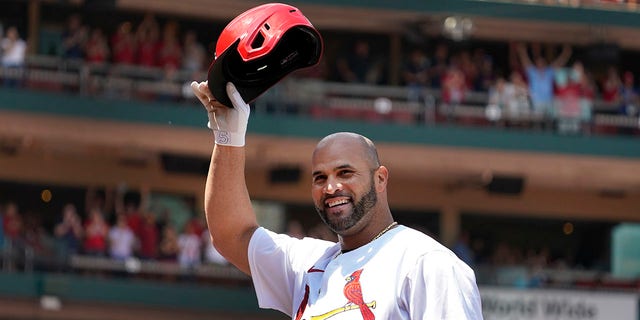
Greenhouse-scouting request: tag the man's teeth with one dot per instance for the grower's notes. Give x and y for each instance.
(337, 203)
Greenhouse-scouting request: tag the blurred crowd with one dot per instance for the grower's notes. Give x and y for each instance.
(538, 86)
(146, 44)
(535, 86)
(116, 225)
(124, 225)
(13, 50)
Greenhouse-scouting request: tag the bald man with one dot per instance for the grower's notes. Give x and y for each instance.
(377, 269)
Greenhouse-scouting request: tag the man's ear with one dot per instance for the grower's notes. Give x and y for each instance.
(381, 178)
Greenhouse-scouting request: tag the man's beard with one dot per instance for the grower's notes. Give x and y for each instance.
(365, 204)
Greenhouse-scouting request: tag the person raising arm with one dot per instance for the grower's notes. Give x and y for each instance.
(228, 209)
(317, 279)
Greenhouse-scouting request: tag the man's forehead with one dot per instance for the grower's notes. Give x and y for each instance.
(344, 148)
(338, 149)
(329, 159)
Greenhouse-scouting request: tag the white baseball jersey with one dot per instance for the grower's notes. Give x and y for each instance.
(404, 274)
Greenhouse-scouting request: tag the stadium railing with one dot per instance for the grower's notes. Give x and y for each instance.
(293, 95)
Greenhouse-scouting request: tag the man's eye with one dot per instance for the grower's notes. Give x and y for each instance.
(319, 179)
(345, 173)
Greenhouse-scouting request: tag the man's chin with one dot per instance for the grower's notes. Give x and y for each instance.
(340, 219)
(340, 225)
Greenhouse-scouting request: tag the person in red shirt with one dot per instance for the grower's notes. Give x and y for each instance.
(169, 48)
(574, 95)
(12, 222)
(97, 49)
(454, 89)
(123, 44)
(131, 204)
(611, 85)
(96, 233)
(147, 42)
(149, 237)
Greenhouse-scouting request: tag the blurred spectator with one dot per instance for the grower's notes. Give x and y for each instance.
(416, 74)
(463, 250)
(537, 262)
(131, 204)
(37, 239)
(1, 33)
(69, 231)
(211, 255)
(14, 50)
(572, 98)
(611, 86)
(12, 223)
(195, 54)
(505, 255)
(123, 44)
(101, 200)
(197, 223)
(122, 241)
(1, 229)
(513, 60)
(295, 229)
(454, 89)
(97, 48)
(540, 75)
(439, 65)
(74, 38)
(468, 67)
(630, 95)
(147, 35)
(149, 237)
(588, 92)
(13, 234)
(500, 96)
(162, 220)
(321, 231)
(169, 49)
(96, 232)
(538, 259)
(169, 247)
(486, 72)
(359, 66)
(189, 243)
(520, 106)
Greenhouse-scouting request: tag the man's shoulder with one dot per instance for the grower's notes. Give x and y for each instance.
(418, 248)
(415, 240)
(305, 246)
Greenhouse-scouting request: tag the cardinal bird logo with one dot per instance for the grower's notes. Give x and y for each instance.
(353, 293)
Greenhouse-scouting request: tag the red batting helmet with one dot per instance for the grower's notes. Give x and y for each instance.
(260, 47)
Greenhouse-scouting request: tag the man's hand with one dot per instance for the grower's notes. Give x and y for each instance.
(229, 125)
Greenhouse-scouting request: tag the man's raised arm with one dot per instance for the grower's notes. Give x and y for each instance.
(227, 205)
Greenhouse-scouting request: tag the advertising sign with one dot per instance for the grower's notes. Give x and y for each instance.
(539, 304)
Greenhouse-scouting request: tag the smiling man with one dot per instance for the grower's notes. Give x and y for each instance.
(378, 269)
(347, 179)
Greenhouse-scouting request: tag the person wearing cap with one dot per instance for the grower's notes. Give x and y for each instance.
(377, 269)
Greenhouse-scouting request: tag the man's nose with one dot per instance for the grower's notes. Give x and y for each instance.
(332, 186)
